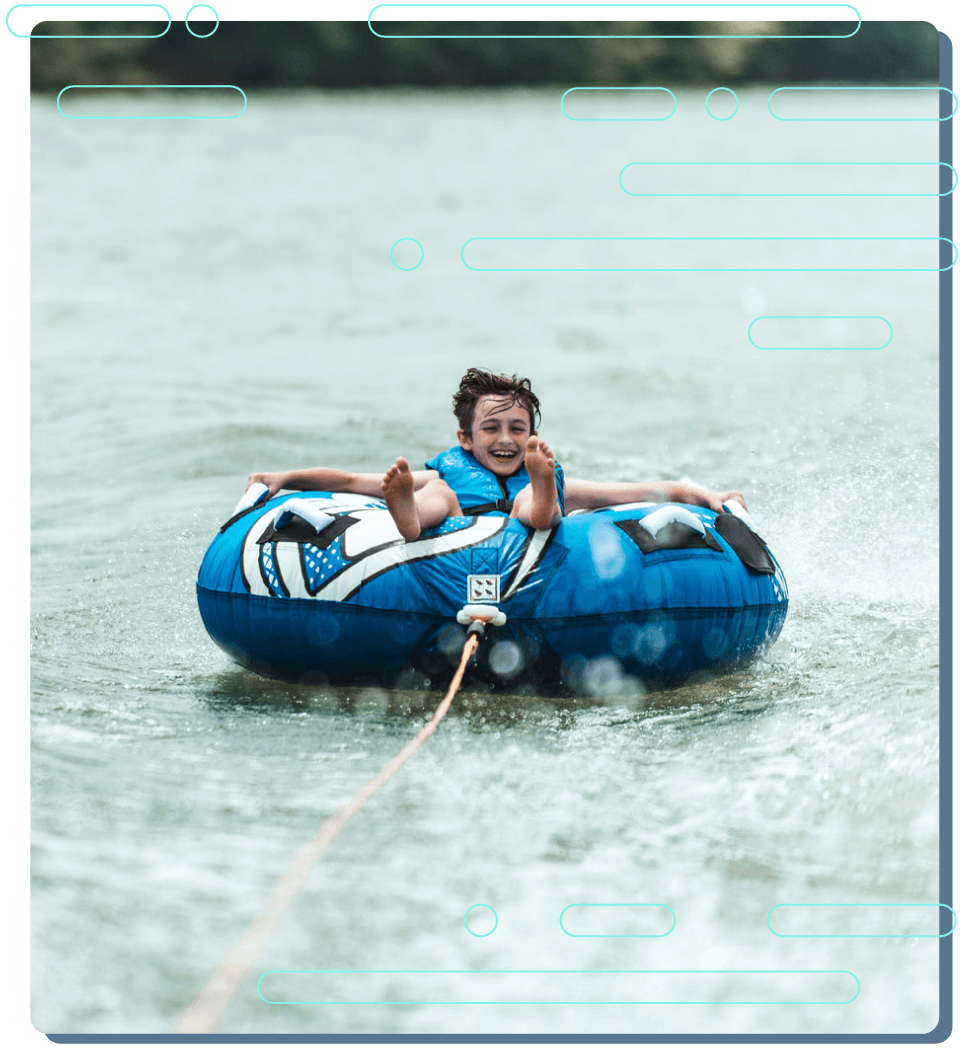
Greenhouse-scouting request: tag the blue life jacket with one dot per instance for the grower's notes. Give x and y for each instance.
(478, 490)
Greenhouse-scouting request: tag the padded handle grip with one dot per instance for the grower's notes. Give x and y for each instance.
(251, 497)
(306, 511)
(671, 515)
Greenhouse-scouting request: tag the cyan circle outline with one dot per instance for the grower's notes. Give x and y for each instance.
(406, 269)
(706, 103)
(496, 920)
(201, 36)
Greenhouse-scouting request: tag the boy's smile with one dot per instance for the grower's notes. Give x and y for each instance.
(498, 437)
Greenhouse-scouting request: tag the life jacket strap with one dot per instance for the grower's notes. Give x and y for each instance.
(504, 506)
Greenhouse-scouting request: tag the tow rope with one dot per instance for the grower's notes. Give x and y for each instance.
(205, 1012)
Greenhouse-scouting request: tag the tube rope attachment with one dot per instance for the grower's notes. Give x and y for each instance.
(203, 1015)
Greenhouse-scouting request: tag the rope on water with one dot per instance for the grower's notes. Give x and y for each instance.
(204, 1013)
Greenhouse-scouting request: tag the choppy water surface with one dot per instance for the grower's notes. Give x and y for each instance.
(212, 298)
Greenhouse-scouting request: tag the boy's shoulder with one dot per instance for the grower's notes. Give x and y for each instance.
(450, 457)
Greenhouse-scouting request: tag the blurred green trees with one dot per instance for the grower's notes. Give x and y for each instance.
(347, 54)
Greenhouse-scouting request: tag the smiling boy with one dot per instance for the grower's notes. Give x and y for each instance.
(500, 466)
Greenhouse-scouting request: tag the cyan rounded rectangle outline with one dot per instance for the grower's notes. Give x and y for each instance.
(856, 120)
(673, 915)
(708, 269)
(562, 1002)
(785, 164)
(616, 36)
(845, 936)
(668, 91)
(819, 317)
(156, 87)
(89, 36)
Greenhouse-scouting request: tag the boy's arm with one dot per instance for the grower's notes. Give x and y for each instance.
(328, 479)
(588, 495)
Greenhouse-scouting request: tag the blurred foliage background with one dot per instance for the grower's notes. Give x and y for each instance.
(348, 54)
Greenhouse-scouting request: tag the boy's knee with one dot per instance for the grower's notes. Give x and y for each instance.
(521, 502)
(439, 489)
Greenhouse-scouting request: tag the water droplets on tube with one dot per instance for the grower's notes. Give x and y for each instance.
(607, 553)
(323, 630)
(604, 677)
(451, 641)
(625, 639)
(715, 643)
(506, 659)
(652, 641)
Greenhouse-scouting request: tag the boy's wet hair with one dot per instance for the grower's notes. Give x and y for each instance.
(477, 383)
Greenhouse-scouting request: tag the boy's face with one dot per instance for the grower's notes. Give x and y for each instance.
(499, 434)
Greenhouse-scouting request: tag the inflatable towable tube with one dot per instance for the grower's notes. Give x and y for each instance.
(321, 587)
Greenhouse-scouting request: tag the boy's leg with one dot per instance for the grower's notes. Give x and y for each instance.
(412, 511)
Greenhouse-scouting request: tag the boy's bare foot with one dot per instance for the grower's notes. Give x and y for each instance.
(397, 489)
(540, 466)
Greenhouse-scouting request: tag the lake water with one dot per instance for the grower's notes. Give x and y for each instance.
(214, 297)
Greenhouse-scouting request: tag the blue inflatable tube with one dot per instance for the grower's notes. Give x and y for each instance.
(320, 587)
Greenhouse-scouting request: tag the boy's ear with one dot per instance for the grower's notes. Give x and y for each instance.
(464, 438)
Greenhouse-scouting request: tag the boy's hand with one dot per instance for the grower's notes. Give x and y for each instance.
(685, 493)
(722, 498)
(274, 482)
